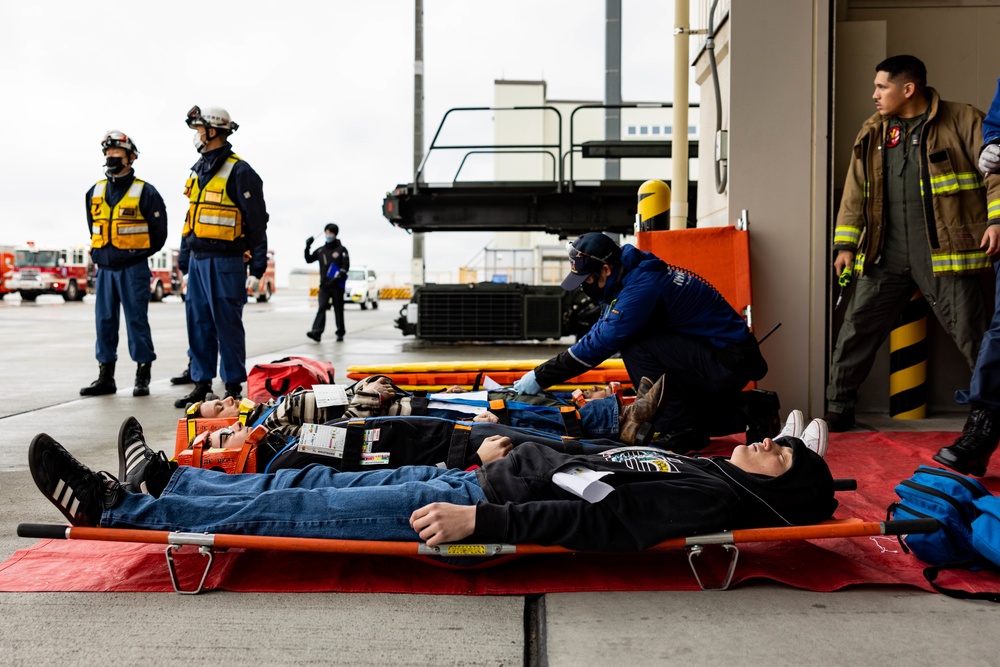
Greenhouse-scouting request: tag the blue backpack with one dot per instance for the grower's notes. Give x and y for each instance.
(969, 516)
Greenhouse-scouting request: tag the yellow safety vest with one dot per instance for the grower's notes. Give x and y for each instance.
(123, 226)
(212, 214)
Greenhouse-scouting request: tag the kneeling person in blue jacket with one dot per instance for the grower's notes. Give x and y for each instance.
(664, 321)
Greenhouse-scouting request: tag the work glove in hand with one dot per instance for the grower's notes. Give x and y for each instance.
(309, 241)
(253, 283)
(527, 384)
(989, 159)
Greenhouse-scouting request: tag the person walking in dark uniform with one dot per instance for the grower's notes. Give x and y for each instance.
(334, 263)
(226, 220)
(128, 223)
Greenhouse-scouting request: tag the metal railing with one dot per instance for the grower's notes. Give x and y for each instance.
(472, 149)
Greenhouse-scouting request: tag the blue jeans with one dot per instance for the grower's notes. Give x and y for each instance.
(216, 293)
(599, 419)
(316, 501)
(127, 288)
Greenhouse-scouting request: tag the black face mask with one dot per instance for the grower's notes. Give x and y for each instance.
(593, 291)
(114, 164)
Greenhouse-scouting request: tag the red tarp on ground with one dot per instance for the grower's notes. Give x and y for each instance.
(876, 460)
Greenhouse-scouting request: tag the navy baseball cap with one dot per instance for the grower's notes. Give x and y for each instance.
(587, 255)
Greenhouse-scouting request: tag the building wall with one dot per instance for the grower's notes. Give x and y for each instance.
(771, 59)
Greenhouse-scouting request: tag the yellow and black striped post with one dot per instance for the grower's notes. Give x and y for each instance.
(654, 206)
(908, 361)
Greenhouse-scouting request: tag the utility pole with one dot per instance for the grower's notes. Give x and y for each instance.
(417, 263)
(613, 82)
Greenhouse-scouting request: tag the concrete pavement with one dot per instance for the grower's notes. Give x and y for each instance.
(48, 354)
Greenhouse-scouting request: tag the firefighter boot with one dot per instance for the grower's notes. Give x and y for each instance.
(980, 436)
(104, 384)
(184, 377)
(637, 418)
(234, 389)
(199, 393)
(142, 373)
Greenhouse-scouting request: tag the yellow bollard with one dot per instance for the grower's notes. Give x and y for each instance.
(908, 361)
(653, 207)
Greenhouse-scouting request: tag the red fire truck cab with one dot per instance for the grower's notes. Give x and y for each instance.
(65, 271)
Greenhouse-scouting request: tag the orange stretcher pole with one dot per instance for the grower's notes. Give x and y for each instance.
(838, 528)
(494, 554)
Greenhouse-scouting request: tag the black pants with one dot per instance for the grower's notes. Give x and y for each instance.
(416, 441)
(704, 384)
(330, 294)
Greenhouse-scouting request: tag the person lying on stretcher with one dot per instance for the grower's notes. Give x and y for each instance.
(376, 396)
(625, 499)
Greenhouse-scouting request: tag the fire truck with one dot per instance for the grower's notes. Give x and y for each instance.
(263, 293)
(165, 275)
(65, 271)
(266, 288)
(6, 268)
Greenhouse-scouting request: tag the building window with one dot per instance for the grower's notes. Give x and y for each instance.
(631, 129)
(656, 129)
(644, 129)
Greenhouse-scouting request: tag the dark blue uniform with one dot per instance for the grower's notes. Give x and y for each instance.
(665, 321)
(123, 276)
(334, 263)
(216, 290)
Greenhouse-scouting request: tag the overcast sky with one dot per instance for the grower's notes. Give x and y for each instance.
(323, 93)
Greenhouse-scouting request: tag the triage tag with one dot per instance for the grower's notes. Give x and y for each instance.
(320, 439)
(330, 394)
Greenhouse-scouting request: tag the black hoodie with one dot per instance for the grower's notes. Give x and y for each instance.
(657, 496)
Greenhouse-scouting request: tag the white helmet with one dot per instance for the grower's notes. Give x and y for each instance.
(216, 117)
(118, 139)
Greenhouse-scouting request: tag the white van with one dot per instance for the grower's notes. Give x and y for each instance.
(361, 288)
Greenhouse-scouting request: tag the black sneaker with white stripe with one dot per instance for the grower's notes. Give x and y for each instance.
(80, 493)
(140, 469)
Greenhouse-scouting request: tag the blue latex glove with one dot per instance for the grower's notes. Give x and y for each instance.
(527, 384)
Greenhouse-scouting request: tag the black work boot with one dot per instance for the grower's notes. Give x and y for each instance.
(839, 421)
(200, 391)
(761, 410)
(971, 452)
(104, 384)
(142, 373)
(234, 389)
(184, 377)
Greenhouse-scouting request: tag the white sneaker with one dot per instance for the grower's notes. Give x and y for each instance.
(816, 436)
(793, 425)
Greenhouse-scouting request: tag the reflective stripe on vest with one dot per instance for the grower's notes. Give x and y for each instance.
(123, 227)
(953, 182)
(973, 260)
(993, 209)
(211, 213)
(846, 235)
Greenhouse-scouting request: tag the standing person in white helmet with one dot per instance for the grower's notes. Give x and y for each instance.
(226, 221)
(128, 223)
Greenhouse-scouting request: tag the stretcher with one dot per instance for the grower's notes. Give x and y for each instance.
(699, 548)
(438, 376)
